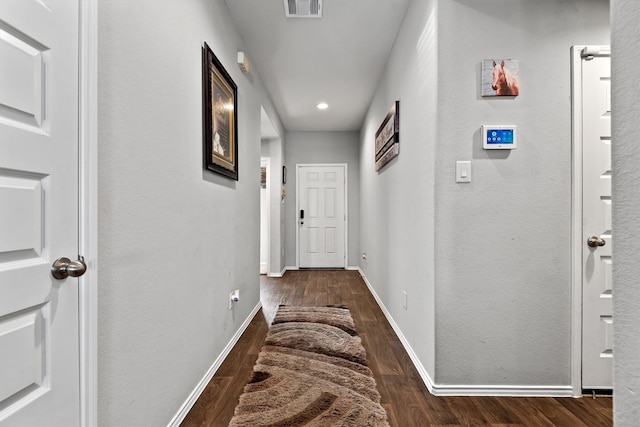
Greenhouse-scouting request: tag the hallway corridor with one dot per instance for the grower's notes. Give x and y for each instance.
(404, 396)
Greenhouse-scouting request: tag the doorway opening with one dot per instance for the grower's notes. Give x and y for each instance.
(265, 242)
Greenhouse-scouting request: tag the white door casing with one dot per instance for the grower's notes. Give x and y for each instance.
(265, 219)
(39, 212)
(321, 196)
(592, 215)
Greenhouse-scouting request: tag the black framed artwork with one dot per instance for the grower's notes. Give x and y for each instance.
(387, 143)
(220, 117)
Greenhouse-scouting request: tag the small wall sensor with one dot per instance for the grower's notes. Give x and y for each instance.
(499, 137)
(243, 62)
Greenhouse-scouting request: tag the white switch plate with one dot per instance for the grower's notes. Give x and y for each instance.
(463, 171)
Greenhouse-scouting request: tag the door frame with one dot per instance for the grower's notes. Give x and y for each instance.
(88, 210)
(346, 208)
(266, 161)
(577, 240)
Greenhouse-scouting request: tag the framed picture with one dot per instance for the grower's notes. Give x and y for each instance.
(220, 117)
(387, 144)
(263, 177)
(500, 77)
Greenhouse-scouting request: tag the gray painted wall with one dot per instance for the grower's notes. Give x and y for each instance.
(489, 301)
(173, 240)
(503, 293)
(626, 208)
(322, 147)
(397, 226)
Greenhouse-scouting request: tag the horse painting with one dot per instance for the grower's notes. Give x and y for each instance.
(504, 83)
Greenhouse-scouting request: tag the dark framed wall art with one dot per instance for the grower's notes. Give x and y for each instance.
(220, 117)
(388, 137)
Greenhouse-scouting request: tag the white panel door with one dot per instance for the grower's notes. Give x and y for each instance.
(39, 353)
(597, 309)
(321, 216)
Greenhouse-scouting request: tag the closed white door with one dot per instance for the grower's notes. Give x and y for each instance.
(321, 216)
(39, 353)
(597, 296)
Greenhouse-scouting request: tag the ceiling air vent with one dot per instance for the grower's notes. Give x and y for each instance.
(303, 8)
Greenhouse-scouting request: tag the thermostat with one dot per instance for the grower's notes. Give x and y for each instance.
(499, 137)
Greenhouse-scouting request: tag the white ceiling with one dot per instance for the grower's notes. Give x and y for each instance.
(337, 59)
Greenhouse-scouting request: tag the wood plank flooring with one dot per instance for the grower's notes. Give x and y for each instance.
(404, 396)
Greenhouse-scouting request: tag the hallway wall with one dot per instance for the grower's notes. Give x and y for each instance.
(626, 210)
(486, 265)
(397, 224)
(174, 240)
(503, 294)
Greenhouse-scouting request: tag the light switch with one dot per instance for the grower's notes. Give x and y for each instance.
(463, 171)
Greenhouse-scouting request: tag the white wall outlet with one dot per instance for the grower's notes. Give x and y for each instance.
(404, 299)
(234, 297)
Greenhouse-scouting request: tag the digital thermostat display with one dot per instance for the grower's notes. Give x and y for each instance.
(499, 137)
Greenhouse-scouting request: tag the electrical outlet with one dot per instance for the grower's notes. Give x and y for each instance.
(234, 296)
(404, 300)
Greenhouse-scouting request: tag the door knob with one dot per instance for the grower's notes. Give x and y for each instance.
(595, 241)
(64, 267)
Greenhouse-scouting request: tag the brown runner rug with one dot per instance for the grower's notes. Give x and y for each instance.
(312, 371)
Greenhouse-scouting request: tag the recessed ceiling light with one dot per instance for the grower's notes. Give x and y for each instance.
(323, 106)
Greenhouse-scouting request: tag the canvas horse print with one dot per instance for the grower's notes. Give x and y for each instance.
(500, 77)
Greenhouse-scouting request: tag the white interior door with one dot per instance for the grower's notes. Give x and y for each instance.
(39, 353)
(597, 297)
(321, 216)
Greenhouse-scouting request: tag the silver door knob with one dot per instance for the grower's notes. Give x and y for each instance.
(64, 267)
(595, 241)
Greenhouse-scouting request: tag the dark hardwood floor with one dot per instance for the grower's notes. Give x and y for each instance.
(404, 396)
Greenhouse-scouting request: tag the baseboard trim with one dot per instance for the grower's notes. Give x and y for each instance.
(195, 394)
(426, 378)
(461, 389)
(293, 267)
(284, 270)
(502, 390)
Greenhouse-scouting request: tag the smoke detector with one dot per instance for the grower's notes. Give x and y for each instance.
(303, 8)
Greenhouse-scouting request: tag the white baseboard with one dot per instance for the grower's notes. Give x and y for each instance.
(462, 389)
(426, 378)
(293, 267)
(193, 397)
(502, 390)
(284, 270)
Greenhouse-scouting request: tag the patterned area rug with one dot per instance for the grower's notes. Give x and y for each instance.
(312, 371)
